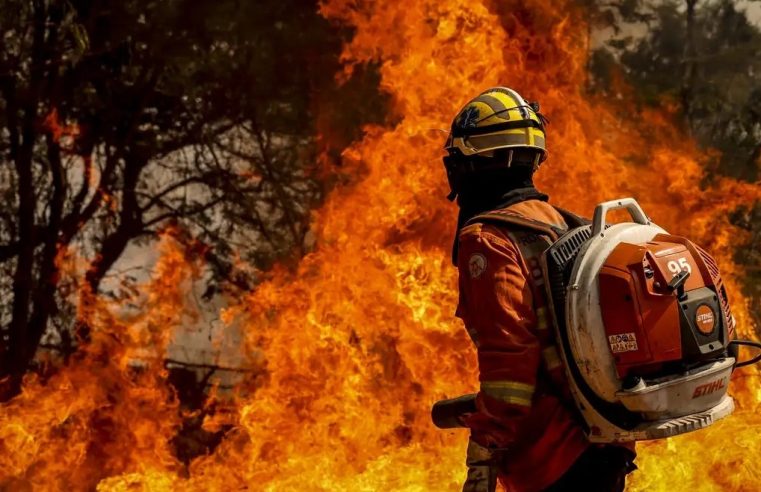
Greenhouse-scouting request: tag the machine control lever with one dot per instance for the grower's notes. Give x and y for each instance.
(677, 283)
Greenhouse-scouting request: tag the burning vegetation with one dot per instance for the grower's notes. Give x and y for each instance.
(351, 345)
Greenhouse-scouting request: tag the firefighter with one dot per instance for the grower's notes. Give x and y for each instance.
(524, 431)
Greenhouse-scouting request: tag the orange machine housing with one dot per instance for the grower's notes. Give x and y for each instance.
(645, 318)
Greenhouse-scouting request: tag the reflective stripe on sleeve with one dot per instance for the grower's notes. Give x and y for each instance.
(541, 319)
(551, 357)
(511, 392)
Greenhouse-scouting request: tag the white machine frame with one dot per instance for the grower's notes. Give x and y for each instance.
(666, 406)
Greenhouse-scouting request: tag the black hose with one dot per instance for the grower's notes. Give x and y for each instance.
(747, 343)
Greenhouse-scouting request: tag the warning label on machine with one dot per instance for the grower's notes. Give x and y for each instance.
(623, 342)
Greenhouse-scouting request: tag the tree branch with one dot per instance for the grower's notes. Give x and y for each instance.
(191, 211)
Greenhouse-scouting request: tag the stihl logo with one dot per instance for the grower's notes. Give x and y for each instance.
(708, 388)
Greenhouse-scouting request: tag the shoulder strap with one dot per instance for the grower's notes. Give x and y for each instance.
(533, 237)
(572, 219)
(514, 219)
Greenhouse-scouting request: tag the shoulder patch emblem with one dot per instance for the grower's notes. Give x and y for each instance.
(476, 265)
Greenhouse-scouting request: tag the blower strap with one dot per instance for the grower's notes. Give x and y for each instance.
(512, 218)
(571, 219)
(554, 231)
(533, 238)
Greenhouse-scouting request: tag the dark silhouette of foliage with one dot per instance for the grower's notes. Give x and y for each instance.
(704, 55)
(118, 119)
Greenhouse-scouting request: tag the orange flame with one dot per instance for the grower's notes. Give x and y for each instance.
(361, 340)
(106, 412)
(63, 134)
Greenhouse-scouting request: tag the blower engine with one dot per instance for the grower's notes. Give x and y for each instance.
(644, 329)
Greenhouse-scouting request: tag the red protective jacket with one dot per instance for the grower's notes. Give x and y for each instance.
(503, 305)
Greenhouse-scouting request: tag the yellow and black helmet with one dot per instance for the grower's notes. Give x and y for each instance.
(498, 118)
(496, 129)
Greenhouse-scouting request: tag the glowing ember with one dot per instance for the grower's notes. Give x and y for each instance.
(361, 340)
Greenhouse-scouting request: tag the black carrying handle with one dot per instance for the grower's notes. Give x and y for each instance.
(447, 414)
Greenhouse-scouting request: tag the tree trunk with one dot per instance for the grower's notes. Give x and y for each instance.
(130, 226)
(14, 363)
(43, 298)
(689, 74)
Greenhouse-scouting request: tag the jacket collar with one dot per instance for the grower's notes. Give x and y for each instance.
(510, 198)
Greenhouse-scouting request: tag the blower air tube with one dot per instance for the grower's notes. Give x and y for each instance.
(447, 414)
(747, 343)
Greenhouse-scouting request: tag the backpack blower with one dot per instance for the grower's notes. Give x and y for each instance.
(643, 325)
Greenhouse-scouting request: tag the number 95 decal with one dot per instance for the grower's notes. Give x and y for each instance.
(679, 265)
